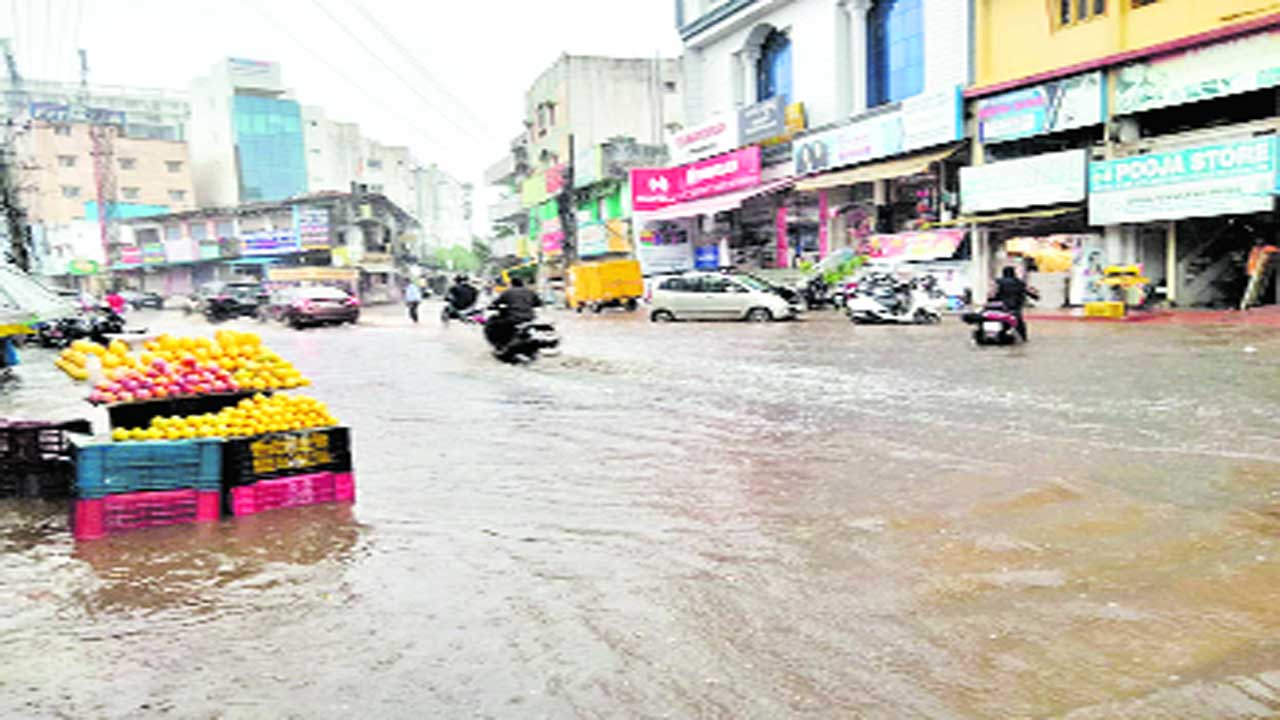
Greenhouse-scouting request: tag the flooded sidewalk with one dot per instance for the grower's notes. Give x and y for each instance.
(793, 520)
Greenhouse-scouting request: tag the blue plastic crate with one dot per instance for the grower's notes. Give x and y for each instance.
(111, 469)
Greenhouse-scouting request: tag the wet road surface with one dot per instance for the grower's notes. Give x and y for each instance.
(804, 520)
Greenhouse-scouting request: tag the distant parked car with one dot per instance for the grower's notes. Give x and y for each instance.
(228, 300)
(139, 299)
(712, 296)
(301, 307)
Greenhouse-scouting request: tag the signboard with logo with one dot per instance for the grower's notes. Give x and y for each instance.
(664, 251)
(657, 188)
(917, 123)
(551, 236)
(63, 113)
(712, 138)
(312, 226)
(131, 255)
(586, 168)
(1047, 179)
(153, 253)
(533, 191)
(762, 121)
(83, 266)
(555, 179)
(210, 250)
(181, 249)
(1227, 68)
(269, 242)
(706, 257)
(1229, 178)
(1066, 104)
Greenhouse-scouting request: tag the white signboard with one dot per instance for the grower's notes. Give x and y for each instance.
(1227, 68)
(1041, 180)
(720, 135)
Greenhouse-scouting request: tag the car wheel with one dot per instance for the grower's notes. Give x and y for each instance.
(632, 305)
(662, 316)
(759, 315)
(295, 322)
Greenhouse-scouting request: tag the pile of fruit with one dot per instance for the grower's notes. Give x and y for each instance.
(180, 367)
(252, 416)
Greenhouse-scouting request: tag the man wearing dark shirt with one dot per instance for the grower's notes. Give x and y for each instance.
(517, 305)
(1012, 294)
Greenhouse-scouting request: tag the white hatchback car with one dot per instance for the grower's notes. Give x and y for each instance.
(711, 296)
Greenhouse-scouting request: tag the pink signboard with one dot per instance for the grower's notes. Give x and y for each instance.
(658, 188)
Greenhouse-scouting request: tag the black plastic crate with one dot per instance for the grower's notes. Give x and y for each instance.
(137, 415)
(50, 479)
(34, 443)
(266, 457)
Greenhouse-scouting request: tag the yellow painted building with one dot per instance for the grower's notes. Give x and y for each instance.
(1022, 41)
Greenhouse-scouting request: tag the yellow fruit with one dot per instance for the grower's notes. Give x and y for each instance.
(120, 435)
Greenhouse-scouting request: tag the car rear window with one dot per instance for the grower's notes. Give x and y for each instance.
(675, 285)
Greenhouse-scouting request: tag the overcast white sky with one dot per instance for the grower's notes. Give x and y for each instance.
(485, 53)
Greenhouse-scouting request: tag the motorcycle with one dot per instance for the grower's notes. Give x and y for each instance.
(467, 316)
(96, 326)
(883, 300)
(518, 341)
(993, 325)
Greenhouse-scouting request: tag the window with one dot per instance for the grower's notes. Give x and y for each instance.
(895, 67)
(1071, 12)
(131, 193)
(1143, 3)
(198, 231)
(177, 195)
(773, 70)
(374, 164)
(172, 232)
(675, 285)
(714, 285)
(67, 161)
(224, 229)
(173, 166)
(63, 130)
(670, 86)
(128, 163)
(70, 192)
(375, 188)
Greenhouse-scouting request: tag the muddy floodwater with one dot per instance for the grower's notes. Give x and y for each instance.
(805, 520)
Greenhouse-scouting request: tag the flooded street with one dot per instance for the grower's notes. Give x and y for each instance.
(805, 520)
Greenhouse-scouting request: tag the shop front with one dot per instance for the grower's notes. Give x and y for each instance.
(715, 213)
(1192, 215)
(1029, 213)
(891, 172)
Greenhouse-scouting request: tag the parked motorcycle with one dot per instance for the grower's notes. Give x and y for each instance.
(881, 299)
(96, 326)
(515, 342)
(993, 325)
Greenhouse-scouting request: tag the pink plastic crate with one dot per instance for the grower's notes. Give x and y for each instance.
(296, 491)
(96, 518)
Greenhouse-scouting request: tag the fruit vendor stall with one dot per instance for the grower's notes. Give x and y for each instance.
(200, 428)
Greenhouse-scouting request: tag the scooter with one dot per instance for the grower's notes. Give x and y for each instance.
(884, 301)
(467, 316)
(994, 325)
(521, 341)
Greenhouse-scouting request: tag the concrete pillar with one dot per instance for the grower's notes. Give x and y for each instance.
(784, 246)
(858, 35)
(980, 247)
(824, 231)
(844, 59)
(1171, 260)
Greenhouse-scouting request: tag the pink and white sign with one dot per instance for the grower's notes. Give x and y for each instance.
(711, 138)
(658, 188)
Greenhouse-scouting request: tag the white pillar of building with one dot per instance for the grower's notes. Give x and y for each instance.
(856, 11)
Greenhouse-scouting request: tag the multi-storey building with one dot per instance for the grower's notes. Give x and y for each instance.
(247, 139)
(1129, 132)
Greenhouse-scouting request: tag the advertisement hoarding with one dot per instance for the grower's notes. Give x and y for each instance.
(712, 138)
(917, 123)
(1066, 104)
(1219, 70)
(657, 188)
(1048, 179)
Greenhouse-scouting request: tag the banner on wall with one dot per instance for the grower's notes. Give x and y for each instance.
(593, 240)
(1219, 70)
(269, 242)
(1223, 179)
(312, 227)
(1066, 104)
(658, 188)
(665, 250)
(935, 245)
(1048, 179)
(712, 138)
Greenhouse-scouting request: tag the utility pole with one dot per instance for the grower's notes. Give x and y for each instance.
(104, 172)
(10, 205)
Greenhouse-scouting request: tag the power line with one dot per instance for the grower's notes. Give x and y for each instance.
(416, 63)
(407, 83)
(332, 68)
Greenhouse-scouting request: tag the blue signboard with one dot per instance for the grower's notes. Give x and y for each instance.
(269, 242)
(706, 257)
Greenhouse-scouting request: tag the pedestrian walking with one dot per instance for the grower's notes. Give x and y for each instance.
(413, 298)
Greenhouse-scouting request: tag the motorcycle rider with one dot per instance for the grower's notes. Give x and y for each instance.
(515, 306)
(1012, 293)
(462, 296)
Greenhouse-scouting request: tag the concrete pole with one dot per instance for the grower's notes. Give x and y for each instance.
(1171, 261)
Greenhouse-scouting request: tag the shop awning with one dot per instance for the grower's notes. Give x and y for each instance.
(254, 261)
(1006, 217)
(901, 167)
(713, 205)
(378, 268)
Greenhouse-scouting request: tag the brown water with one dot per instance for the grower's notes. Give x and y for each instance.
(710, 521)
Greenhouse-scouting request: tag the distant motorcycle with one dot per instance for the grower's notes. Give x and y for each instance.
(95, 326)
(883, 300)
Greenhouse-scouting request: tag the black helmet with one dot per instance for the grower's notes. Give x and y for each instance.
(460, 279)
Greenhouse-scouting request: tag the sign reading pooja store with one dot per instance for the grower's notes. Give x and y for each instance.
(1229, 178)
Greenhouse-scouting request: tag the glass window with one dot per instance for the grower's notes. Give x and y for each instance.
(374, 164)
(70, 191)
(128, 163)
(131, 193)
(64, 130)
(675, 285)
(224, 229)
(177, 195)
(172, 232)
(712, 284)
(67, 161)
(895, 67)
(773, 70)
(173, 166)
(198, 230)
